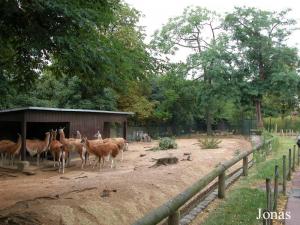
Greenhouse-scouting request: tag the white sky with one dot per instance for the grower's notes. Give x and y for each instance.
(157, 12)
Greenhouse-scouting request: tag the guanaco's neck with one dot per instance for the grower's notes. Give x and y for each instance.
(87, 143)
(61, 135)
(47, 138)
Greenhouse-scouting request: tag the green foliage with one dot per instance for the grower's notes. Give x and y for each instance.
(209, 143)
(208, 63)
(266, 149)
(175, 99)
(36, 32)
(265, 61)
(266, 135)
(167, 143)
(79, 54)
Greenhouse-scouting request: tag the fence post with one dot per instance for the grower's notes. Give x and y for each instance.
(290, 165)
(245, 166)
(221, 185)
(294, 158)
(298, 158)
(284, 174)
(275, 188)
(269, 194)
(174, 218)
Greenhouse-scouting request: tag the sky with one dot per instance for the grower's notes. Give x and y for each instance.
(157, 12)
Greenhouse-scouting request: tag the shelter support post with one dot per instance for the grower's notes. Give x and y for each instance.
(24, 136)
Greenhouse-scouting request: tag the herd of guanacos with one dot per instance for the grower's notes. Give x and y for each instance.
(61, 148)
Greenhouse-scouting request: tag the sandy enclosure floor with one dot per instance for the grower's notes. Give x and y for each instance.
(133, 188)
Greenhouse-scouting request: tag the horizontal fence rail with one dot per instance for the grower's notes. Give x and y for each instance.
(171, 207)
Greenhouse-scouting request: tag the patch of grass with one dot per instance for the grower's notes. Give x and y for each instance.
(245, 197)
(241, 207)
(209, 143)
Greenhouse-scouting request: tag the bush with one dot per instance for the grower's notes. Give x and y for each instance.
(209, 143)
(167, 143)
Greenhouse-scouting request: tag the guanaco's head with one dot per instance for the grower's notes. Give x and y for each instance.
(98, 135)
(61, 130)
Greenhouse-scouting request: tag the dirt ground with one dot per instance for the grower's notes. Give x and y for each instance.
(110, 196)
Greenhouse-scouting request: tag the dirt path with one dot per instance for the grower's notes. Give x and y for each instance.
(112, 196)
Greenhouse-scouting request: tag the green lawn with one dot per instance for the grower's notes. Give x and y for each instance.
(247, 195)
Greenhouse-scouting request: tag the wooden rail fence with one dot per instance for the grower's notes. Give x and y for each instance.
(170, 209)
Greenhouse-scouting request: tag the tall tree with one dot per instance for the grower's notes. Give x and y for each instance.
(260, 37)
(65, 33)
(93, 50)
(200, 31)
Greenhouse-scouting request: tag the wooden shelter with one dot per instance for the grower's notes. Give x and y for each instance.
(34, 122)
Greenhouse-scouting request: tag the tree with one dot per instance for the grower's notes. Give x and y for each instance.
(209, 63)
(175, 99)
(75, 54)
(36, 33)
(264, 58)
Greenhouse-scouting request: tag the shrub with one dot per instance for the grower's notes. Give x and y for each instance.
(209, 143)
(167, 143)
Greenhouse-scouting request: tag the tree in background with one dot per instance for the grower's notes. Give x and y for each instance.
(265, 61)
(65, 34)
(208, 63)
(175, 99)
(76, 54)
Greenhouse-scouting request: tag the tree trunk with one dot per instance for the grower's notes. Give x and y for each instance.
(259, 120)
(209, 116)
(209, 120)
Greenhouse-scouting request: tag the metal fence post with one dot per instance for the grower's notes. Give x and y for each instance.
(245, 166)
(298, 158)
(284, 174)
(276, 175)
(221, 185)
(269, 194)
(290, 165)
(174, 218)
(294, 158)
